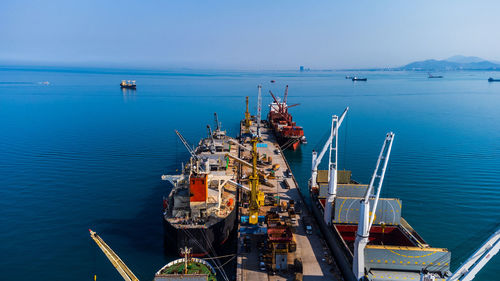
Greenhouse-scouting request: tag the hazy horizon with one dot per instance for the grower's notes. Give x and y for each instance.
(256, 35)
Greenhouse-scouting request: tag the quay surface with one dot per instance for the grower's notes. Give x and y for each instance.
(312, 250)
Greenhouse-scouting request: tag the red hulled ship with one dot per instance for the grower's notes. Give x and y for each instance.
(286, 130)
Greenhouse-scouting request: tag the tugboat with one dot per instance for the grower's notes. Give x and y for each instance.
(200, 211)
(128, 84)
(287, 132)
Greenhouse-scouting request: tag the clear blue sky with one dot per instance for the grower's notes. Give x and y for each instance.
(245, 34)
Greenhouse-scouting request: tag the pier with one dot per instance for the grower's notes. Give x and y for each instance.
(268, 250)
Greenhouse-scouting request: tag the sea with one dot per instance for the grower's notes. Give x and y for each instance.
(79, 153)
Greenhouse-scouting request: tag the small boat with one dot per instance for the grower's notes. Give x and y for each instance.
(435, 76)
(272, 81)
(128, 84)
(348, 77)
(359, 79)
(493, 80)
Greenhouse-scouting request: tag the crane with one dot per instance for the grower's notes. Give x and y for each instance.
(245, 163)
(120, 266)
(468, 270)
(217, 124)
(254, 184)
(316, 159)
(367, 216)
(247, 117)
(183, 140)
(285, 96)
(259, 109)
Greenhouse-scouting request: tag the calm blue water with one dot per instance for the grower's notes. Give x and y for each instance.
(81, 153)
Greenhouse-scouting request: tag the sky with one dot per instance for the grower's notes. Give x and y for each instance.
(253, 34)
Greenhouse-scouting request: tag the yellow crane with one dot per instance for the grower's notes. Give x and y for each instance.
(255, 193)
(120, 266)
(248, 122)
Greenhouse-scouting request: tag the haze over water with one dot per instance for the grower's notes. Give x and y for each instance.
(81, 153)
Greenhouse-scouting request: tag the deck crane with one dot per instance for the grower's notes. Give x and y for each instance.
(211, 136)
(183, 140)
(120, 266)
(285, 96)
(245, 163)
(367, 216)
(468, 270)
(282, 107)
(217, 124)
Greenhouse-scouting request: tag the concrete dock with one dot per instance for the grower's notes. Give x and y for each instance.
(311, 250)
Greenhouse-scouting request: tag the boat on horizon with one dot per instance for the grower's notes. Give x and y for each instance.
(434, 76)
(355, 78)
(128, 84)
(493, 80)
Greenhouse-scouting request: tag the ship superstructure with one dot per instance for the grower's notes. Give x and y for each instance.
(200, 212)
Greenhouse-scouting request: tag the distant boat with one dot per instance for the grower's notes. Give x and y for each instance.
(348, 77)
(358, 79)
(128, 84)
(435, 76)
(493, 80)
(272, 81)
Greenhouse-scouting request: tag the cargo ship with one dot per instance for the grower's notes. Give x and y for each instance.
(286, 130)
(368, 235)
(128, 84)
(199, 213)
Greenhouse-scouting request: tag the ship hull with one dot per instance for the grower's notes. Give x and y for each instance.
(203, 241)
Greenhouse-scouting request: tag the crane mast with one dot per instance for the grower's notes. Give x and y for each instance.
(120, 266)
(367, 216)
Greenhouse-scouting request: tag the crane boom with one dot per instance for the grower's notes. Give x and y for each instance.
(217, 126)
(365, 219)
(245, 163)
(317, 158)
(478, 260)
(120, 266)
(183, 140)
(286, 94)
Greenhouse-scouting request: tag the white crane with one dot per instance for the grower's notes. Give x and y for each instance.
(183, 140)
(478, 260)
(332, 167)
(367, 216)
(259, 109)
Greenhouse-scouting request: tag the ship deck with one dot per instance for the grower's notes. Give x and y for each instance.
(317, 263)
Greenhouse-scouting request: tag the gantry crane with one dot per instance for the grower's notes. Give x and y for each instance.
(120, 266)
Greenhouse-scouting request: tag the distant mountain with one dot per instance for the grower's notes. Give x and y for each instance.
(464, 59)
(452, 63)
